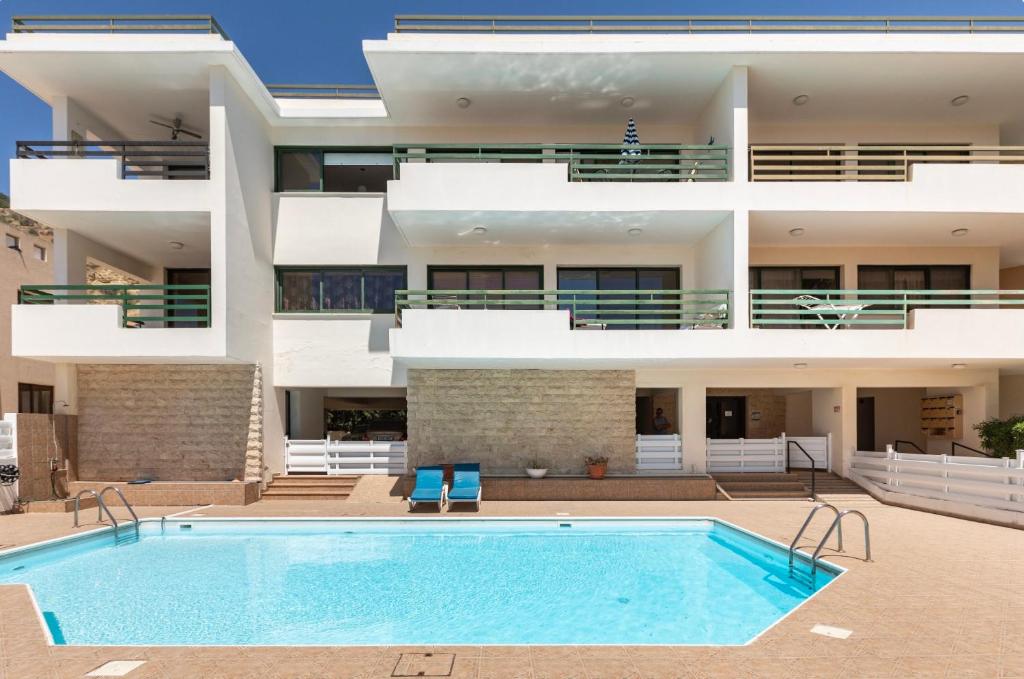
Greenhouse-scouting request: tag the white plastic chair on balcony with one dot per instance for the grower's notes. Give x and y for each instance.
(841, 312)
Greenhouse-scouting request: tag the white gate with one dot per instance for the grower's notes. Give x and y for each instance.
(345, 457)
(659, 452)
(768, 455)
(8, 455)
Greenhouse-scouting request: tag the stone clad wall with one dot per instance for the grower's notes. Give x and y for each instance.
(501, 418)
(169, 422)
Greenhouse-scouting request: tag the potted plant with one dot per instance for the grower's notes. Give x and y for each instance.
(19, 505)
(597, 466)
(536, 468)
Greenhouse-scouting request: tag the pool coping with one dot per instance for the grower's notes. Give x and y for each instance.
(178, 517)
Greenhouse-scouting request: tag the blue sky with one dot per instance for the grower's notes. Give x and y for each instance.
(319, 40)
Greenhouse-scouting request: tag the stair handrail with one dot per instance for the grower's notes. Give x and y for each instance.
(838, 521)
(897, 442)
(128, 506)
(814, 468)
(953, 445)
(839, 537)
(100, 508)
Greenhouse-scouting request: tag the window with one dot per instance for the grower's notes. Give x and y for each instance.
(790, 278)
(39, 252)
(13, 242)
(613, 315)
(298, 170)
(366, 289)
(351, 170)
(915, 277)
(488, 278)
(35, 398)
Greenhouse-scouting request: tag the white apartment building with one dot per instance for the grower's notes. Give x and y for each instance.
(820, 234)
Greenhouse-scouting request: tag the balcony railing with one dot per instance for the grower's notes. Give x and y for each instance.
(873, 309)
(288, 91)
(588, 309)
(118, 23)
(587, 162)
(166, 305)
(138, 159)
(804, 162)
(493, 23)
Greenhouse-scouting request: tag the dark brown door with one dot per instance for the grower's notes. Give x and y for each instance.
(188, 277)
(866, 423)
(727, 417)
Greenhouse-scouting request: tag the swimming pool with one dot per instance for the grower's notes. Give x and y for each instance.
(421, 581)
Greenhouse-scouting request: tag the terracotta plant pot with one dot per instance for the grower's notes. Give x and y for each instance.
(596, 471)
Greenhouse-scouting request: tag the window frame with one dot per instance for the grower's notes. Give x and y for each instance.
(668, 325)
(799, 268)
(39, 253)
(279, 287)
(33, 389)
(320, 151)
(12, 242)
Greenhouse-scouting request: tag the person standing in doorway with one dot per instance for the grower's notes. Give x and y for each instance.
(661, 423)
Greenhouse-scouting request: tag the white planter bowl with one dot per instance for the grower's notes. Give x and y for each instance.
(536, 473)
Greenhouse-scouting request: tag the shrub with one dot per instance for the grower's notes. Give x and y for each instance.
(1002, 437)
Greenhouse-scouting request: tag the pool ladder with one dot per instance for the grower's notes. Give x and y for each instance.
(101, 507)
(837, 526)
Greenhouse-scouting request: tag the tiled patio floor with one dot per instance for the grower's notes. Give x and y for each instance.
(943, 598)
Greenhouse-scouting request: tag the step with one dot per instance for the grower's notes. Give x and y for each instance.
(292, 492)
(306, 496)
(768, 495)
(314, 479)
(343, 483)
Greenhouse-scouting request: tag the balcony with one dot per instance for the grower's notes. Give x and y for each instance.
(834, 163)
(587, 162)
(542, 194)
(587, 309)
(868, 309)
(114, 322)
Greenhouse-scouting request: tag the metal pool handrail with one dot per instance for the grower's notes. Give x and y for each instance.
(100, 508)
(124, 501)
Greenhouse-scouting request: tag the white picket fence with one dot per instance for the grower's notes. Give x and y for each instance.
(8, 455)
(659, 452)
(345, 457)
(767, 455)
(983, 481)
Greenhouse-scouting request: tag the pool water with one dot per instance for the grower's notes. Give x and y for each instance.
(351, 582)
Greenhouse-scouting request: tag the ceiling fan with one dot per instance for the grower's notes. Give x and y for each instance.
(175, 127)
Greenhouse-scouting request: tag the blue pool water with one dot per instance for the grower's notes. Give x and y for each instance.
(349, 582)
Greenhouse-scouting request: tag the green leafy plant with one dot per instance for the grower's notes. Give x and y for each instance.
(536, 463)
(597, 460)
(1002, 437)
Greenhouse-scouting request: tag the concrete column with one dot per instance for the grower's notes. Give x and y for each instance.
(740, 270)
(60, 120)
(692, 420)
(65, 389)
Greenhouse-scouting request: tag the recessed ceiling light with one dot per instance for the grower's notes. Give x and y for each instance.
(635, 231)
(959, 366)
(960, 101)
(480, 230)
(800, 99)
(463, 102)
(957, 233)
(799, 366)
(176, 245)
(797, 232)
(627, 102)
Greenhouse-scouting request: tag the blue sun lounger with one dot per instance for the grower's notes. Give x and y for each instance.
(429, 486)
(466, 484)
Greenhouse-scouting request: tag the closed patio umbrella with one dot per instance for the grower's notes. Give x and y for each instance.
(631, 140)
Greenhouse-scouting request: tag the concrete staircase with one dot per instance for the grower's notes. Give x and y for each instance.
(832, 488)
(294, 487)
(764, 486)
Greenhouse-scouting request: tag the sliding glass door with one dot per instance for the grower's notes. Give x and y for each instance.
(808, 280)
(622, 309)
(489, 278)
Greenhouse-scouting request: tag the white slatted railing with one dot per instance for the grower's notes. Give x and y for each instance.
(767, 455)
(8, 455)
(987, 482)
(659, 452)
(345, 457)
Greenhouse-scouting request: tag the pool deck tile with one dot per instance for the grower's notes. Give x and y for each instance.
(943, 598)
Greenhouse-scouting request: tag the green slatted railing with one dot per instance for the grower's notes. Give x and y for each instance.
(640, 309)
(877, 309)
(166, 305)
(586, 162)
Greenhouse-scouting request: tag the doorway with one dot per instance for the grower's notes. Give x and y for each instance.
(865, 423)
(726, 417)
(187, 277)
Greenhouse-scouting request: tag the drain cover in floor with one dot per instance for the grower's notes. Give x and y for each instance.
(424, 665)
